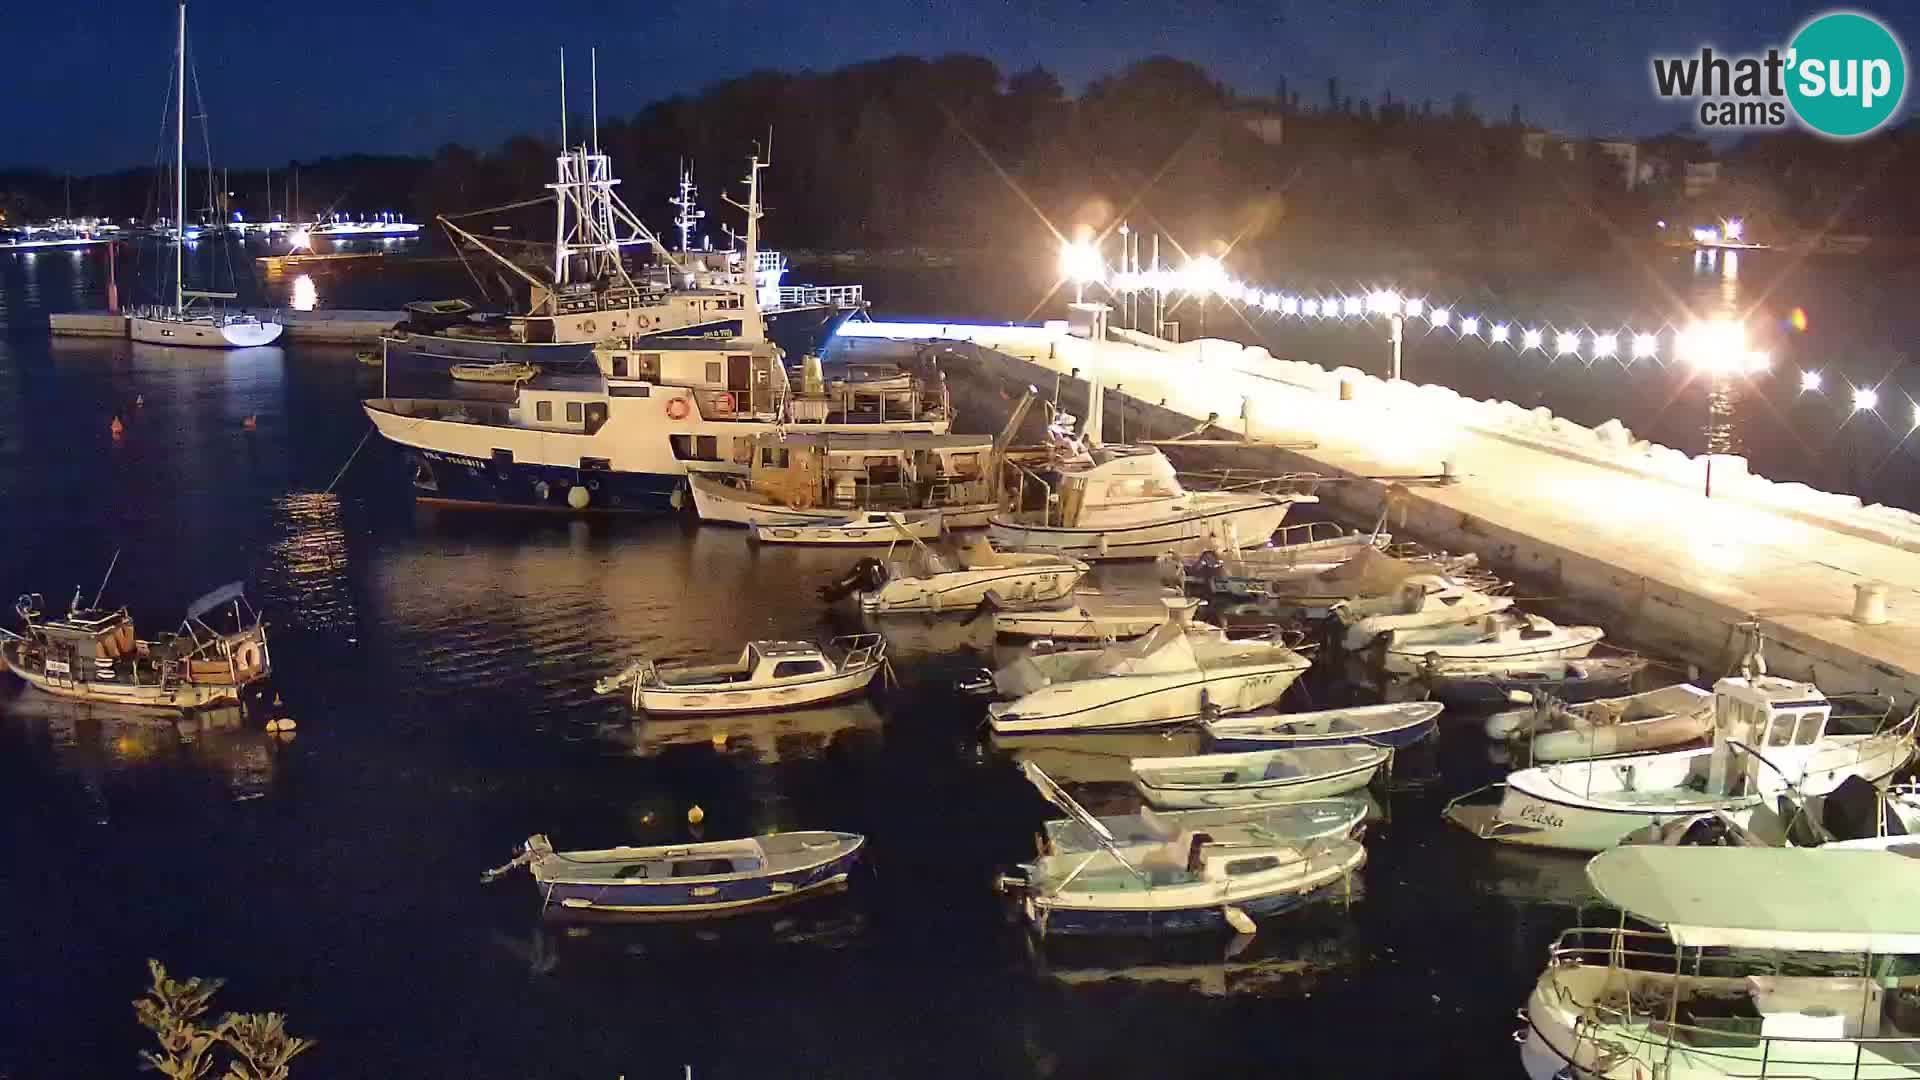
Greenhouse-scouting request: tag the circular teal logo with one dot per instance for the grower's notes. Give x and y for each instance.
(1847, 74)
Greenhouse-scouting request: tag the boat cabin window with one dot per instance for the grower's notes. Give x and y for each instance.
(695, 447)
(621, 366)
(787, 668)
(1252, 866)
(648, 367)
(502, 457)
(632, 870)
(595, 464)
(1780, 731)
(543, 411)
(773, 457)
(716, 372)
(702, 867)
(1812, 722)
(573, 412)
(966, 464)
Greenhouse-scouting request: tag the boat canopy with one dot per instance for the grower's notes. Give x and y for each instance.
(220, 597)
(1788, 899)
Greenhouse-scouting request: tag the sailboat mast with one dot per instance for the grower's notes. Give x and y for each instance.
(180, 167)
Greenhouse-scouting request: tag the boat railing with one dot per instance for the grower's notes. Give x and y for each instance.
(823, 295)
(858, 650)
(451, 410)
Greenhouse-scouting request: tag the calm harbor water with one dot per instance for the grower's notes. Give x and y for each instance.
(440, 666)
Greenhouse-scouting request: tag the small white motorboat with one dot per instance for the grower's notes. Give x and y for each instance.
(1195, 881)
(1258, 777)
(506, 371)
(1423, 600)
(1770, 737)
(1552, 731)
(716, 877)
(768, 675)
(1297, 551)
(930, 580)
(1395, 725)
(1095, 616)
(1179, 672)
(1503, 636)
(855, 530)
(1484, 685)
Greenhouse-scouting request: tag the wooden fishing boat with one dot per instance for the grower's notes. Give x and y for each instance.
(1194, 882)
(857, 530)
(503, 372)
(1396, 725)
(1653, 720)
(720, 877)
(1257, 777)
(767, 675)
(1471, 685)
(92, 654)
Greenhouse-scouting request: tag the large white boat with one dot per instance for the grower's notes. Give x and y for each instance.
(1179, 672)
(182, 323)
(624, 438)
(1766, 962)
(1770, 737)
(1126, 502)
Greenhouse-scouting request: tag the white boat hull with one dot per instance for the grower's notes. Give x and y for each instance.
(1131, 701)
(862, 534)
(693, 700)
(959, 590)
(1244, 521)
(1091, 620)
(1339, 783)
(1632, 737)
(1573, 643)
(203, 333)
(181, 697)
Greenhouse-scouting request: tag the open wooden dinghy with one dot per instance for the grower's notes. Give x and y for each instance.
(718, 877)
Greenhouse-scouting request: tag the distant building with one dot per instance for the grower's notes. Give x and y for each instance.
(1538, 145)
(1699, 178)
(1269, 125)
(1626, 154)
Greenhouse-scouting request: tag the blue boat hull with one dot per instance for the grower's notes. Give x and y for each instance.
(459, 481)
(697, 898)
(1396, 739)
(1200, 920)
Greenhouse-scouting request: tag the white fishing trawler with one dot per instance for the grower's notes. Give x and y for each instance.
(1770, 737)
(182, 322)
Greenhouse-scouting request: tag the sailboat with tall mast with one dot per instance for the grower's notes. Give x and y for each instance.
(182, 323)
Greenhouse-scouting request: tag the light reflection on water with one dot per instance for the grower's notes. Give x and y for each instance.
(305, 296)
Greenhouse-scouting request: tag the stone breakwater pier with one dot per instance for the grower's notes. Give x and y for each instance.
(1615, 526)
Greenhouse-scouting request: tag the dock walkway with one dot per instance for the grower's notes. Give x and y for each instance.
(1619, 529)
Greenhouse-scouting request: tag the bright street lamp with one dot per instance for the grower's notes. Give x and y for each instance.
(1081, 263)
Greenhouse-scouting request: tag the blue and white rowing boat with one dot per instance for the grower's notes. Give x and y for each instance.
(1396, 725)
(720, 877)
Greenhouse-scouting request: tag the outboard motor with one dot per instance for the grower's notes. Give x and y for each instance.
(867, 575)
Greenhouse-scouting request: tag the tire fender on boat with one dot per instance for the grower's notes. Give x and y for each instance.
(677, 409)
(578, 497)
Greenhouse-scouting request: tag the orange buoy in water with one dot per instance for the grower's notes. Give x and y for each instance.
(250, 423)
(117, 428)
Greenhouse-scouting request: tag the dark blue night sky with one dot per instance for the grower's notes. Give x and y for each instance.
(82, 81)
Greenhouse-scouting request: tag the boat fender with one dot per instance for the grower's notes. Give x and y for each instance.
(695, 815)
(677, 409)
(1241, 922)
(541, 490)
(578, 497)
(723, 404)
(678, 499)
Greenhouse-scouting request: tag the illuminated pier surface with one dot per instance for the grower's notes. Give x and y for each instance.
(1618, 528)
(336, 327)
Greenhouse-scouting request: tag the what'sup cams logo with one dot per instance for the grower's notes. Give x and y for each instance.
(1843, 76)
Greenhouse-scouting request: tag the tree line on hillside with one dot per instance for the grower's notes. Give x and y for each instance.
(951, 152)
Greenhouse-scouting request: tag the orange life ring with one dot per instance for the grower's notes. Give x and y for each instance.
(677, 409)
(723, 403)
